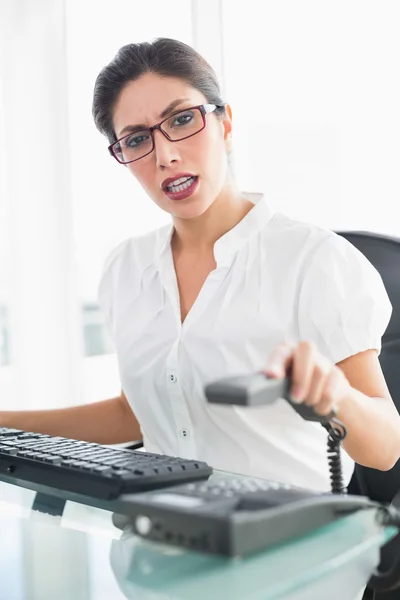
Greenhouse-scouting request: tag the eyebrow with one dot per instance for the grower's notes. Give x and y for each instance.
(174, 104)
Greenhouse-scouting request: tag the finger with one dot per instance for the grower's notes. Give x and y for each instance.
(302, 370)
(330, 395)
(280, 360)
(318, 382)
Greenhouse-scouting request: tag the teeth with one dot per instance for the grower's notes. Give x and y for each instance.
(180, 180)
(180, 184)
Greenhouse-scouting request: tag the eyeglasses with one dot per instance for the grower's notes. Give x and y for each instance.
(179, 126)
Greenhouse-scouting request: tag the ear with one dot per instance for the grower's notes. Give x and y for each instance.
(227, 122)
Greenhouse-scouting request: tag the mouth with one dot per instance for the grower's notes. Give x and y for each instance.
(180, 188)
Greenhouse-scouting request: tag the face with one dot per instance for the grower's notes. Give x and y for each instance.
(202, 157)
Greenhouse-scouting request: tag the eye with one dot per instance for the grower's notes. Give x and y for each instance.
(183, 118)
(135, 140)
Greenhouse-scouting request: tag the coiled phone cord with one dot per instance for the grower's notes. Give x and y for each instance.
(336, 434)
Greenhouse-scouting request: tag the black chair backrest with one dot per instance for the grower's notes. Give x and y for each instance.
(384, 254)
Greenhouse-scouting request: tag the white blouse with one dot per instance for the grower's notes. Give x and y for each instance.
(276, 279)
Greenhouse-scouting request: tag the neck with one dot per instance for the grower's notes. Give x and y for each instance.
(200, 234)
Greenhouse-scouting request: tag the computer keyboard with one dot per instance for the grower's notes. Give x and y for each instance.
(101, 472)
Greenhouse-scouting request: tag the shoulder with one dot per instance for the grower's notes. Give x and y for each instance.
(298, 243)
(312, 244)
(322, 267)
(126, 263)
(136, 252)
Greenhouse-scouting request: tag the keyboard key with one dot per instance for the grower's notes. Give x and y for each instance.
(4, 432)
(102, 469)
(54, 460)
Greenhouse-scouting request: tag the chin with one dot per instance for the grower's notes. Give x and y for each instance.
(189, 210)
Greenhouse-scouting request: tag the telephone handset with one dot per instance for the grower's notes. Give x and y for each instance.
(258, 390)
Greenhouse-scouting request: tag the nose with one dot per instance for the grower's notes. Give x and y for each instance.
(166, 152)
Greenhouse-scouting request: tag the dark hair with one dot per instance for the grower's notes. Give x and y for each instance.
(163, 56)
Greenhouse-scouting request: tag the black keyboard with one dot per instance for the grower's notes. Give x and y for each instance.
(90, 469)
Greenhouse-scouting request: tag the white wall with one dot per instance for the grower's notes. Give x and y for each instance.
(316, 94)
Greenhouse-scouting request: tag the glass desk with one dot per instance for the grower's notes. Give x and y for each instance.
(81, 555)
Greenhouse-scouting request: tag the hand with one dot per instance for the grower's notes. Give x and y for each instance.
(315, 380)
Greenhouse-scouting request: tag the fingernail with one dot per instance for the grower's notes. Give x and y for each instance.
(294, 400)
(297, 395)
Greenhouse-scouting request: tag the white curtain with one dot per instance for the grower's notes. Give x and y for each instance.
(46, 332)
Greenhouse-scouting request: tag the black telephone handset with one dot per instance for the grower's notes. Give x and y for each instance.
(258, 389)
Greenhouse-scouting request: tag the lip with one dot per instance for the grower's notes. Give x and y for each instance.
(169, 180)
(182, 195)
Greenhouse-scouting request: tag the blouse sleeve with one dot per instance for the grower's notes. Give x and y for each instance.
(343, 305)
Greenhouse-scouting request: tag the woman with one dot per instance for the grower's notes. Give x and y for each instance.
(228, 288)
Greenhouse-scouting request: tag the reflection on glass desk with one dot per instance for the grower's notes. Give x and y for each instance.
(82, 556)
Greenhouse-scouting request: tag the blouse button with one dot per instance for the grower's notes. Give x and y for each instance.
(172, 378)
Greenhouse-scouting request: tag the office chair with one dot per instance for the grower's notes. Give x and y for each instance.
(383, 486)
